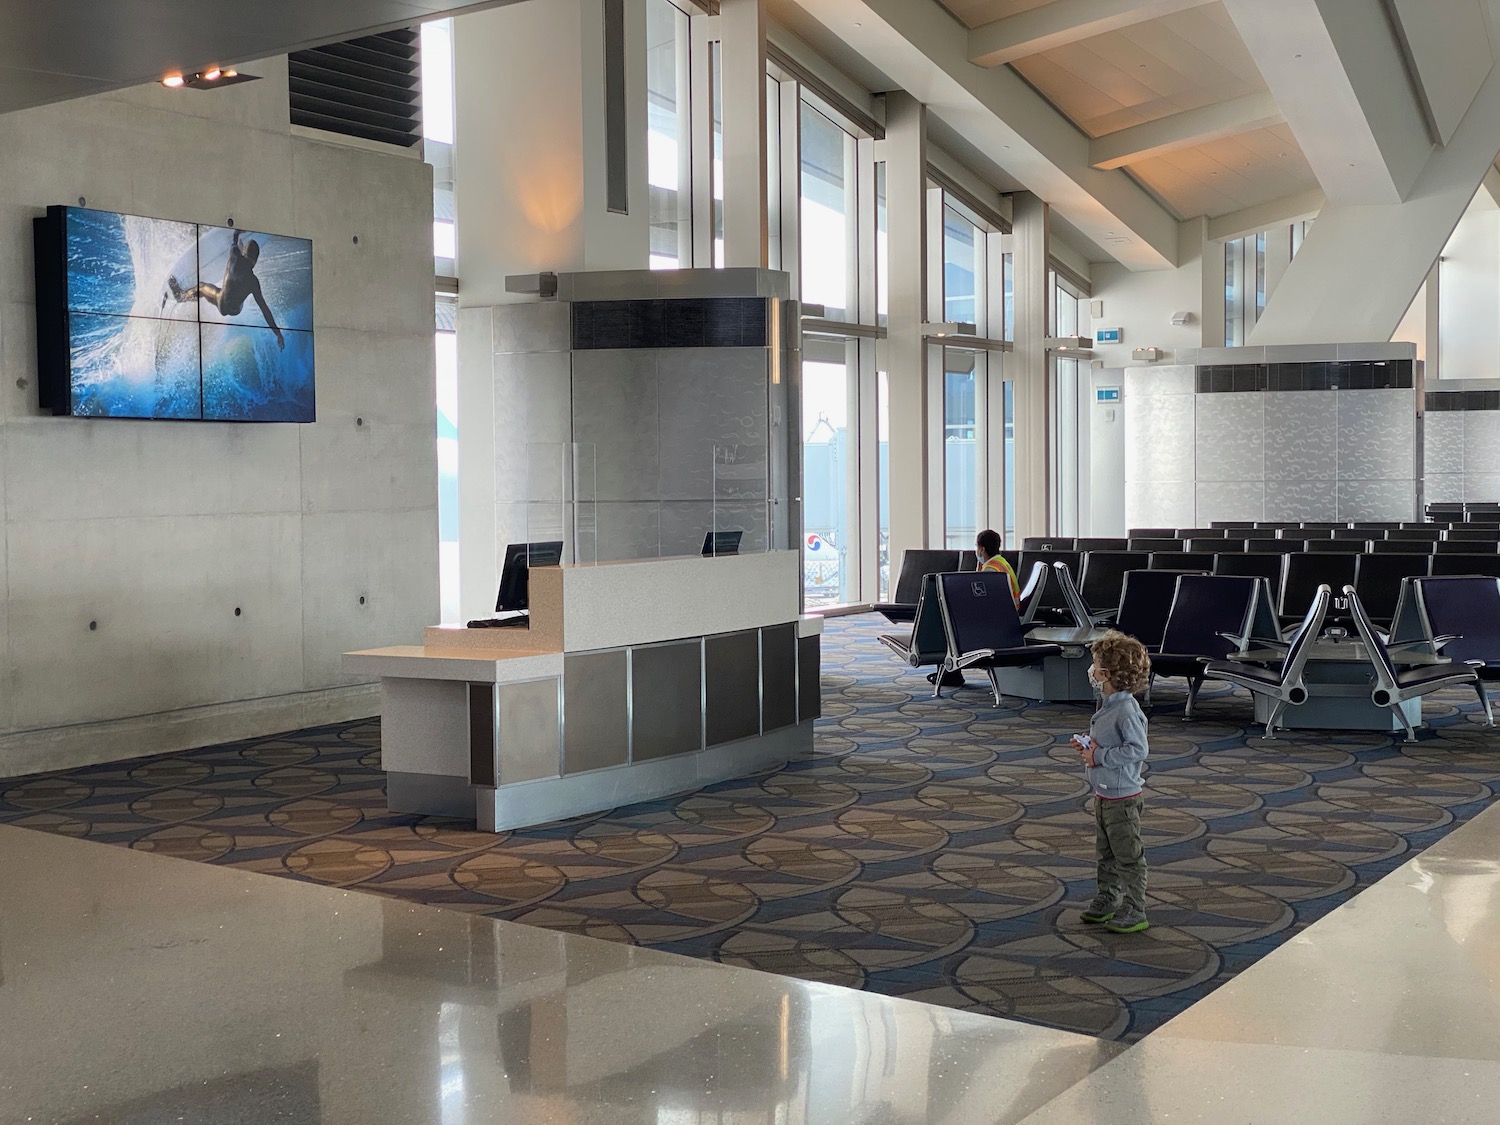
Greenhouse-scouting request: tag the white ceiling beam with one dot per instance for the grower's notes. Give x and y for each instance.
(925, 52)
(1060, 23)
(1357, 273)
(1491, 184)
(1263, 216)
(1336, 70)
(1448, 49)
(1185, 130)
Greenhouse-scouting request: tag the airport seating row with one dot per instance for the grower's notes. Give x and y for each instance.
(1292, 577)
(1193, 623)
(1170, 539)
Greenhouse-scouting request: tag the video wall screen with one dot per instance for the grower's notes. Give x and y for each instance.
(150, 318)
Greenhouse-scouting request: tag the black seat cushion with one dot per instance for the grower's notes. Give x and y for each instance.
(1428, 673)
(1259, 673)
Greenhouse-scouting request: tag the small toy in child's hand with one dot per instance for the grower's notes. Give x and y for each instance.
(1085, 746)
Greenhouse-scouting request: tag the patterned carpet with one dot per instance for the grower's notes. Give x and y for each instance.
(933, 849)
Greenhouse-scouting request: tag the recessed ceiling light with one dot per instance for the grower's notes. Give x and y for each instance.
(212, 74)
(172, 81)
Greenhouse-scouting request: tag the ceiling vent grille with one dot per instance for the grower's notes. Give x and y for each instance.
(366, 88)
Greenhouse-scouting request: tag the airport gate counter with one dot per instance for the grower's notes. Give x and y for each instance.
(630, 681)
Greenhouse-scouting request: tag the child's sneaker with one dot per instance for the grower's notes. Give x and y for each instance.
(1102, 909)
(1127, 921)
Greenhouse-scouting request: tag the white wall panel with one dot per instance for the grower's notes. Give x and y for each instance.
(1231, 438)
(1230, 500)
(1160, 503)
(1160, 441)
(1302, 429)
(1296, 500)
(1443, 442)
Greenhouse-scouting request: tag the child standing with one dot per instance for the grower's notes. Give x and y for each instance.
(1114, 756)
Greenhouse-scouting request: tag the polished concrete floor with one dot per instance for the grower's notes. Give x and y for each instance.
(139, 989)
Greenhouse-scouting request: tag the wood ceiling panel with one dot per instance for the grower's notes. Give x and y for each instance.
(1228, 175)
(1147, 71)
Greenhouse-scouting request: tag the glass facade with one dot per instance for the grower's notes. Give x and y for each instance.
(962, 485)
(830, 479)
(1234, 293)
(438, 129)
(963, 269)
(827, 223)
(439, 123)
(668, 135)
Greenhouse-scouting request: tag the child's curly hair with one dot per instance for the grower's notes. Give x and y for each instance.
(1124, 661)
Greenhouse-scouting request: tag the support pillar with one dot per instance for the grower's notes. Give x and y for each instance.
(742, 57)
(1029, 363)
(531, 191)
(905, 354)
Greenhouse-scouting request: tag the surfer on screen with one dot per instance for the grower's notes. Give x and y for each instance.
(239, 282)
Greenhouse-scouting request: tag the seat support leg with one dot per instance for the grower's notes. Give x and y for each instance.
(1194, 683)
(994, 685)
(1274, 717)
(1484, 701)
(1411, 734)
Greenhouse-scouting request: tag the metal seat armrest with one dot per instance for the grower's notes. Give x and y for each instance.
(1242, 642)
(1436, 643)
(964, 659)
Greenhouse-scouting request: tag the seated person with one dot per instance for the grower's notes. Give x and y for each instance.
(987, 548)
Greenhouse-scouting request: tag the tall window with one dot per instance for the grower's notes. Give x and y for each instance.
(716, 78)
(1066, 411)
(830, 473)
(1260, 274)
(668, 136)
(882, 250)
(1245, 285)
(963, 268)
(438, 131)
(437, 139)
(1234, 292)
(883, 480)
(963, 500)
(446, 341)
(1009, 390)
(829, 218)
(972, 376)
(1299, 234)
(773, 174)
(1008, 290)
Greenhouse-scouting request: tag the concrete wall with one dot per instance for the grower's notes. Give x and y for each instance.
(322, 536)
